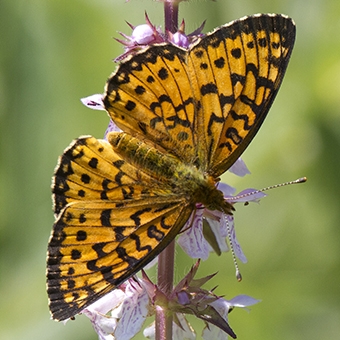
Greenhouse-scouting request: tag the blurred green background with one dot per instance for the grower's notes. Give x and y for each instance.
(52, 53)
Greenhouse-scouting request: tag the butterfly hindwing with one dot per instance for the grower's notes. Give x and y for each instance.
(112, 219)
(97, 245)
(89, 170)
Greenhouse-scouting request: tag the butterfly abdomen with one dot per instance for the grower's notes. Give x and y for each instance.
(152, 161)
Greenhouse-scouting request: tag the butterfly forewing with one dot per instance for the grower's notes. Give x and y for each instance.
(220, 89)
(150, 96)
(245, 62)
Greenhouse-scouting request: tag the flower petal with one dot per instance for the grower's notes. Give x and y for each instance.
(226, 189)
(220, 229)
(133, 313)
(192, 240)
(149, 332)
(239, 168)
(102, 324)
(236, 245)
(112, 127)
(108, 302)
(94, 102)
(184, 331)
(180, 39)
(129, 309)
(243, 301)
(213, 332)
(222, 306)
(143, 34)
(248, 195)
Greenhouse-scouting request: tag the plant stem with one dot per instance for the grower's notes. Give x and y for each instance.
(171, 16)
(166, 261)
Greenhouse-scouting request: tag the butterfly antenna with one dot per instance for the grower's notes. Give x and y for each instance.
(297, 181)
(238, 273)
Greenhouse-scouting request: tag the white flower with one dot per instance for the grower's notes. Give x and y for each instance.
(121, 313)
(223, 307)
(195, 243)
(94, 102)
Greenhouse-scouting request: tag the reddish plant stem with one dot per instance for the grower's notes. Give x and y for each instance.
(166, 261)
(171, 16)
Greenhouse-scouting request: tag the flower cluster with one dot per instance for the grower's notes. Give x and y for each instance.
(122, 313)
(147, 34)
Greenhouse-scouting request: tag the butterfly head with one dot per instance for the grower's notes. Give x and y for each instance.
(212, 198)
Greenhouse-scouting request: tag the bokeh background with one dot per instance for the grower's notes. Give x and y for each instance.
(52, 53)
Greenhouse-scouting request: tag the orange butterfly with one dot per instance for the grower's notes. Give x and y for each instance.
(187, 115)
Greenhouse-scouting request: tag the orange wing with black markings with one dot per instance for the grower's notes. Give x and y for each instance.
(111, 218)
(204, 104)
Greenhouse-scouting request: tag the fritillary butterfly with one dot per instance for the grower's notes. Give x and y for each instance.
(186, 116)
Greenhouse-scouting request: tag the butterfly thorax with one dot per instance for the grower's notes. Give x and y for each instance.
(178, 176)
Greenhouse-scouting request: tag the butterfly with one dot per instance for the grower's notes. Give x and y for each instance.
(186, 116)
